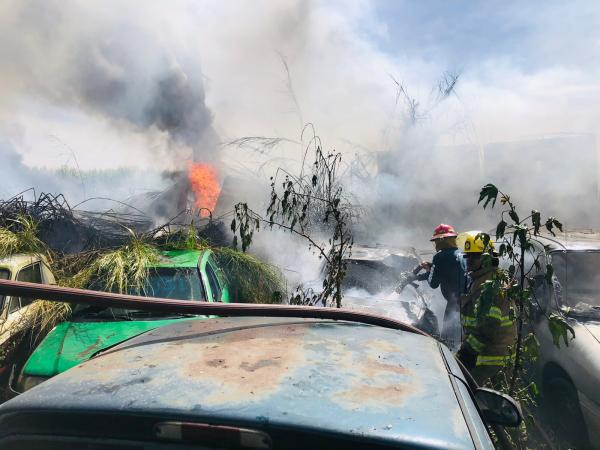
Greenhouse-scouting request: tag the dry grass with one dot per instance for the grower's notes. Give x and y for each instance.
(120, 270)
(183, 239)
(21, 237)
(253, 280)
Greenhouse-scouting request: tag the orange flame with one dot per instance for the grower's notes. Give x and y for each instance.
(204, 182)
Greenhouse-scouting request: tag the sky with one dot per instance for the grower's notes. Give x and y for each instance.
(263, 68)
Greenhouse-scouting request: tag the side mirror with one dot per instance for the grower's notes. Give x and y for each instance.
(498, 408)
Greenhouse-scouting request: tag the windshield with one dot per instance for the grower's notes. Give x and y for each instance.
(4, 275)
(181, 283)
(174, 283)
(579, 278)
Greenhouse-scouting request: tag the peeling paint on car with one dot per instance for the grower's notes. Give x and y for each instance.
(329, 375)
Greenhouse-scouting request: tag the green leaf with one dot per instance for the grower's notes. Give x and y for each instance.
(536, 221)
(500, 229)
(559, 328)
(489, 193)
(489, 293)
(512, 270)
(531, 348)
(557, 224)
(549, 273)
(513, 215)
(549, 225)
(521, 234)
(485, 239)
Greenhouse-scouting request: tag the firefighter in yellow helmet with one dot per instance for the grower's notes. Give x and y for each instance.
(489, 331)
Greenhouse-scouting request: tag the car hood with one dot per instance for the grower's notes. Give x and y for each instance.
(71, 343)
(319, 376)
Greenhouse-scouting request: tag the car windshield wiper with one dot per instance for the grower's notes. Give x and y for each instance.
(107, 317)
(99, 312)
(162, 314)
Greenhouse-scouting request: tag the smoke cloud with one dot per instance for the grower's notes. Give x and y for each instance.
(108, 62)
(150, 83)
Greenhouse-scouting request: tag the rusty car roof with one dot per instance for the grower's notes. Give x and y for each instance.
(327, 376)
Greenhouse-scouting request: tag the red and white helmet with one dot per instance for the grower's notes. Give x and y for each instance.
(443, 231)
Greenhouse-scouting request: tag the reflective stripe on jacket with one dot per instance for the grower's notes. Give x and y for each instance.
(492, 336)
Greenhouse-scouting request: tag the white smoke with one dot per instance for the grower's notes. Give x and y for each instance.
(148, 83)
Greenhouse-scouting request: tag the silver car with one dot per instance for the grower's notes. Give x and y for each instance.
(570, 375)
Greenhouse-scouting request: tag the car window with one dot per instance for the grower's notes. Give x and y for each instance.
(4, 275)
(29, 274)
(214, 283)
(179, 283)
(541, 292)
(578, 276)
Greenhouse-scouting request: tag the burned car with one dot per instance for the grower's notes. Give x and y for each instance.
(267, 376)
(570, 373)
(372, 278)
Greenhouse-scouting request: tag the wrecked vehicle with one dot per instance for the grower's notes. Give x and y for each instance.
(33, 268)
(570, 373)
(307, 377)
(373, 274)
(180, 274)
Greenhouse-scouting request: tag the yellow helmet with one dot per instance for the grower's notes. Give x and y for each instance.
(473, 242)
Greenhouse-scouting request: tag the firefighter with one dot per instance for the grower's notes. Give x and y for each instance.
(489, 339)
(447, 271)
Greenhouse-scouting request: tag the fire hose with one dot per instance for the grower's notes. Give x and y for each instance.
(408, 278)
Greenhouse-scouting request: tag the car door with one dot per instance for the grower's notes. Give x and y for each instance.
(214, 281)
(220, 279)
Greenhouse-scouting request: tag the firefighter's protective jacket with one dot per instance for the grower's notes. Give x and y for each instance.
(448, 272)
(488, 338)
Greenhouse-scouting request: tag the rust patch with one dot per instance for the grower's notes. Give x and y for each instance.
(373, 396)
(246, 365)
(375, 381)
(216, 363)
(376, 367)
(381, 346)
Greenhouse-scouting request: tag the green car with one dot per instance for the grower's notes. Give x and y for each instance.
(180, 274)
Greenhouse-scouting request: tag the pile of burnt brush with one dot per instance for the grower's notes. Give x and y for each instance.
(72, 239)
(114, 248)
(66, 230)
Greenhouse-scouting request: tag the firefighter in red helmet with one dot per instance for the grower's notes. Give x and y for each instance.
(447, 271)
